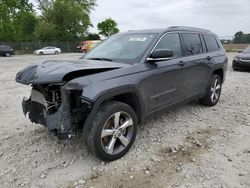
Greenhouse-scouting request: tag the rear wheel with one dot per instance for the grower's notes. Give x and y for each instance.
(213, 91)
(112, 132)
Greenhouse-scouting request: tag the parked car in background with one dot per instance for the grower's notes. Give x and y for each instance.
(48, 50)
(6, 50)
(125, 80)
(242, 60)
(86, 46)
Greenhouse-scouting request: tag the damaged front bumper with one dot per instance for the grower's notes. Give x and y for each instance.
(59, 122)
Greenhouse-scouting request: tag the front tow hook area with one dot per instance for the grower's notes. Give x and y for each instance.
(26, 104)
(63, 135)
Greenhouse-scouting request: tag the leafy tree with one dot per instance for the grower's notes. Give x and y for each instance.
(93, 36)
(45, 31)
(69, 19)
(107, 27)
(17, 20)
(26, 26)
(239, 33)
(241, 38)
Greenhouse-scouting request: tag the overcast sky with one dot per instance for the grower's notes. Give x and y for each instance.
(224, 17)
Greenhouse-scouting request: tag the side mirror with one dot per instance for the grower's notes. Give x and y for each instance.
(161, 55)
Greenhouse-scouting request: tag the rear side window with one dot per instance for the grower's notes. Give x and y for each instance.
(170, 41)
(211, 43)
(191, 44)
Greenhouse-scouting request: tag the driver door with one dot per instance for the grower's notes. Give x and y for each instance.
(165, 84)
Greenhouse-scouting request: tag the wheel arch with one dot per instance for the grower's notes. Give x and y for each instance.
(127, 95)
(219, 72)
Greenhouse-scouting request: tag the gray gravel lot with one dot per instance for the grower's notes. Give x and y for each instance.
(191, 146)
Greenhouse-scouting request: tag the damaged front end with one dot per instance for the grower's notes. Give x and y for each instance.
(61, 111)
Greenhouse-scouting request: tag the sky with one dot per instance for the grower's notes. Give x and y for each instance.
(224, 17)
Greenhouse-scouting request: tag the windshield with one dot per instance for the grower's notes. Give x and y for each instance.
(247, 50)
(124, 48)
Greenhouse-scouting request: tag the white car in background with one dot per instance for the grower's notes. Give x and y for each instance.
(48, 50)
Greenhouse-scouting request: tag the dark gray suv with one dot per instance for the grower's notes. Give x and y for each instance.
(128, 78)
(6, 50)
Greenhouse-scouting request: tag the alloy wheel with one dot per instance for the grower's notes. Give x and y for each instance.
(215, 90)
(117, 133)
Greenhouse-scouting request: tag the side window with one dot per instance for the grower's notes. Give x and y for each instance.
(191, 44)
(170, 41)
(211, 43)
(204, 48)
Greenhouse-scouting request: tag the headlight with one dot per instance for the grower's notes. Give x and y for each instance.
(236, 59)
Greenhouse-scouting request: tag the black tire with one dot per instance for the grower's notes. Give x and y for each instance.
(41, 53)
(56, 52)
(212, 97)
(7, 54)
(236, 69)
(93, 131)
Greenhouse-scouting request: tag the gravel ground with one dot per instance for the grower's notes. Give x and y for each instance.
(191, 146)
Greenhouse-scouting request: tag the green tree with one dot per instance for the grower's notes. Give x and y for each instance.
(26, 26)
(107, 27)
(239, 33)
(45, 31)
(93, 36)
(17, 20)
(68, 19)
(241, 38)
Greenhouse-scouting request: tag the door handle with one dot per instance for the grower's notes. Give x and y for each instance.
(208, 58)
(182, 63)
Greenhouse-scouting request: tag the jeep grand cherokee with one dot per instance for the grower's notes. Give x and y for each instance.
(128, 78)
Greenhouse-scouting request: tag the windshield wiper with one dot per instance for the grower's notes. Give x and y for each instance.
(100, 59)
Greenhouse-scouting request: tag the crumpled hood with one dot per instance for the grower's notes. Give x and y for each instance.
(244, 56)
(60, 71)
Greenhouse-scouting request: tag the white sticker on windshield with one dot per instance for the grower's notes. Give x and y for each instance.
(138, 39)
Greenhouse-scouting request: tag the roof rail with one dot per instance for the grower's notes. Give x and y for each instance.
(186, 27)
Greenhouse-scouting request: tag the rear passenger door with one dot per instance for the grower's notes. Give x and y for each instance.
(195, 63)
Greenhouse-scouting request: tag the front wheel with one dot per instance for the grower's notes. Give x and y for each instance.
(213, 91)
(112, 132)
(7, 54)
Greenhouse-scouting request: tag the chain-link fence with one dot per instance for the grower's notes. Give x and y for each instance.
(29, 47)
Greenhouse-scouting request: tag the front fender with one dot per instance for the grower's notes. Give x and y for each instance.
(96, 92)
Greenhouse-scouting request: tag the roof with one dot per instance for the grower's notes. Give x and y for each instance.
(172, 28)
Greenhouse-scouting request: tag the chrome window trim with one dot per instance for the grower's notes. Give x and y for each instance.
(161, 38)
